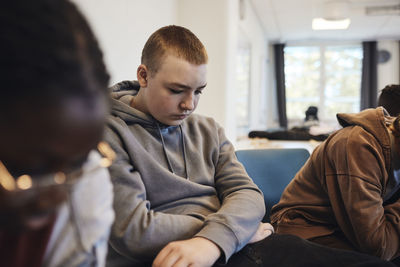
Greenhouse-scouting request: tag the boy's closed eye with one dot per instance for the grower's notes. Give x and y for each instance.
(175, 91)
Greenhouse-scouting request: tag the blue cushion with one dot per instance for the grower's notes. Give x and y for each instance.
(272, 170)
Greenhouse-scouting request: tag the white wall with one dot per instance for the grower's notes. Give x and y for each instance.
(388, 72)
(250, 26)
(123, 26)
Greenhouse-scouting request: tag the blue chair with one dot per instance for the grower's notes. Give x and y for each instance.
(272, 170)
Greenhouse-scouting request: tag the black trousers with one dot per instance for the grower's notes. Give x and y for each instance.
(292, 251)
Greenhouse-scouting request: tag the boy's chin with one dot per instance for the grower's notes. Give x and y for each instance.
(171, 122)
(176, 123)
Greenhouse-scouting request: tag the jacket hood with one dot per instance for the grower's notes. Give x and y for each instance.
(122, 94)
(374, 121)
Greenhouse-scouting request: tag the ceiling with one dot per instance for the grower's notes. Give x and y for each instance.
(290, 20)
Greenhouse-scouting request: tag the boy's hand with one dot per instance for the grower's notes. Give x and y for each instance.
(196, 252)
(264, 230)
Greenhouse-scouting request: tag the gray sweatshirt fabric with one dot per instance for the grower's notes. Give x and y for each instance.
(175, 182)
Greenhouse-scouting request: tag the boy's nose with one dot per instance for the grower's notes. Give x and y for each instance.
(187, 103)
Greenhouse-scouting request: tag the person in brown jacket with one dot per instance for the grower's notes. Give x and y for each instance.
(347, 194)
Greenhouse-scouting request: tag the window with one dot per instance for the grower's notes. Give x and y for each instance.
(242, 92)
(326, 76)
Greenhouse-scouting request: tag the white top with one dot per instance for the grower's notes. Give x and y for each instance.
(82, 227)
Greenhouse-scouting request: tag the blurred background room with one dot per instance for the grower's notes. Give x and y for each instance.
(269, 60)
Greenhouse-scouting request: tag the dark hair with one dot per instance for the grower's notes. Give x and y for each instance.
(178, 40)
(390, 99)
(47, 52)
(395, 126)
(311, 113)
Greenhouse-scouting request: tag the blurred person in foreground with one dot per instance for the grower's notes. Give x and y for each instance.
(55, 192)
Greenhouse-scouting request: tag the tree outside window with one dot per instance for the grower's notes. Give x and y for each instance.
(326, 76)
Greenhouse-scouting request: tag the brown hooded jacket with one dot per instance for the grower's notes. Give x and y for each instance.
(339, 193)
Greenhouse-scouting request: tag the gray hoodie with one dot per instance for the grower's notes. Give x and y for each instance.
(176, 182)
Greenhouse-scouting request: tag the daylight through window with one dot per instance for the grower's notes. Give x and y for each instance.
(326, 76)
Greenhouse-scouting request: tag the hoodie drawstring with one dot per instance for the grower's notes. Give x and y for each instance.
(184, 151)
(166, 154)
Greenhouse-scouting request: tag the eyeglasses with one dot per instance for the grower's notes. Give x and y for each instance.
(26, 182)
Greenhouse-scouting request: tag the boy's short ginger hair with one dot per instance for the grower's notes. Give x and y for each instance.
(390, 99)
(176, 40)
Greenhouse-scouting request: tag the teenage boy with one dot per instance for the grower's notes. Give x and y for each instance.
(181, 196)
(55, 195)
(176, 177)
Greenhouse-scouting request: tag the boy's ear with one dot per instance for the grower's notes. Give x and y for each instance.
(142, 74)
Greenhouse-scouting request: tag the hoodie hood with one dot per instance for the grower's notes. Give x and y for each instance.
(124, 88)
(122, 94)
(374, 121)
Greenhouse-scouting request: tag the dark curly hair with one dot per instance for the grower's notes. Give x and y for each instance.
(390, 99)
(48, 52)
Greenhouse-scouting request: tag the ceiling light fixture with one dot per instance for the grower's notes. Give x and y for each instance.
(335, 16)
(324, 24)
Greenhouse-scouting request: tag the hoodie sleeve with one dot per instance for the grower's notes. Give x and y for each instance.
(242, 209)
(355, 190)
(139, 232)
